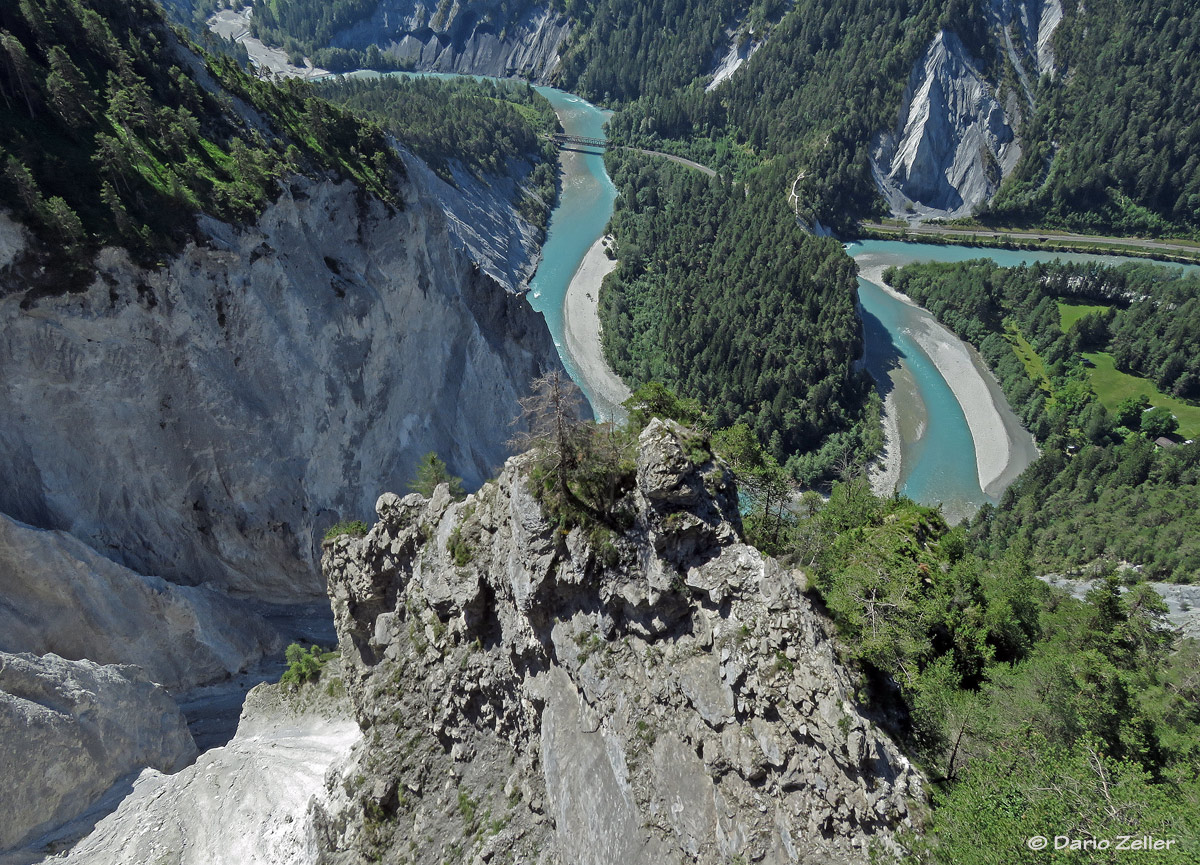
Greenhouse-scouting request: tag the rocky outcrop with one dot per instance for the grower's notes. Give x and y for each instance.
(69, 730)
(953, 142)
(664, 694)
(61, 596)
(483, 37)
(243, 803)
(1030, 24)
(207, 420)
(740, 49)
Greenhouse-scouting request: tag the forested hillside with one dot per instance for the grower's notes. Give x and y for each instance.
(1113, 144)
(112, 134)
(622, 49)
(1101, 490)
(486, 126)
(1013, 693)
(305, 26)
(1109, 147)
(719, 295)
(827, 78)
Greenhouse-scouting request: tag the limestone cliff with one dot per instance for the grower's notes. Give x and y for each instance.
(61, 596)
(481, 37)
(957, 135)
(206, 420)
(69, 730)
(527, 697)
(1029, 27)
(953, 142)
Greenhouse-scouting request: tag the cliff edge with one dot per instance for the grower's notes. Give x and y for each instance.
(529, 695)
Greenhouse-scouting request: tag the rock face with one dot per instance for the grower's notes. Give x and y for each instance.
(206, 421)
(243, 803)
(61, 596)
(483, 222)
(69, 730)
(482, 37)
(953, 142)
(666, 696)
(737, 53)
(1031, 23)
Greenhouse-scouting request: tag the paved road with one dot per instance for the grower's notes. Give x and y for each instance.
(968, 233)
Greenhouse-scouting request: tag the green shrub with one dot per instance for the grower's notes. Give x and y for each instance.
(432, 472)
(354, 528)
(304, 666)
(459, 548)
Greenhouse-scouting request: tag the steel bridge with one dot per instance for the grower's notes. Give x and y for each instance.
(579, 140)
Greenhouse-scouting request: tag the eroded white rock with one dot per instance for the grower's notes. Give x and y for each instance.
(61, 596)
(243, 803)
(953, 142)
(69, 730)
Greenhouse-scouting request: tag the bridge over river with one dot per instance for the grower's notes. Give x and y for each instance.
(579, 140)
(562, 140)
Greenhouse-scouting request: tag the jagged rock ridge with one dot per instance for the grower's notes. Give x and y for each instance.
(953, 142)
(675, 698)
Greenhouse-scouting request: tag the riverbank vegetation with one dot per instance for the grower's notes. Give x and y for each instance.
(721, 297)
(1102, 490)
(974, 234)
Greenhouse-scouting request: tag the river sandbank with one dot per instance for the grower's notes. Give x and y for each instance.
(1002, 447)
(581, 332)
(884, 474)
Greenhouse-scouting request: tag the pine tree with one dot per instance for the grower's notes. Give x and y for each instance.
(431, 473)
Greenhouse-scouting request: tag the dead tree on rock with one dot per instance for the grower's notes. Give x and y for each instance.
(554, 428)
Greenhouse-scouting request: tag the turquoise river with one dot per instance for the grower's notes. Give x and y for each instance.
(938, 456)
(584, 208)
